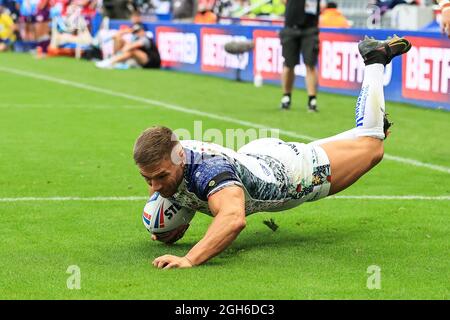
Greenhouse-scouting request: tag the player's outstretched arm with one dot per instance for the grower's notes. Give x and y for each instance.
(228, 208)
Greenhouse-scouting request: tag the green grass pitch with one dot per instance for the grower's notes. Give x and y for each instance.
(69, 139)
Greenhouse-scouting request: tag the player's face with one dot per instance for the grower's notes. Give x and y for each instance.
(164, 177)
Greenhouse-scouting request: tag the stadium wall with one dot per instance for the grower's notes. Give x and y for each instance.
(421, 77)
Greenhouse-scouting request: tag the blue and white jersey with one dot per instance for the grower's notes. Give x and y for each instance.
(274, 174)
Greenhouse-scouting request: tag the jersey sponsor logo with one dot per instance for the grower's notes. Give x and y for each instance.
(341, 65)
(176, 47)
(214, 58)
(426, 70)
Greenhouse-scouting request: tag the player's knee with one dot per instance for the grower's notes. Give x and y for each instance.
(381, 153)
(374, 147)
(378, 153)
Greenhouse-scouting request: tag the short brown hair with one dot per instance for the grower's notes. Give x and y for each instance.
(154, 145)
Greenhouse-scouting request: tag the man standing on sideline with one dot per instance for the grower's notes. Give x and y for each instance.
(300, 35)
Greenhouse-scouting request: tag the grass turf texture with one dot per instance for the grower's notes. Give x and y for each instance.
(57, 140)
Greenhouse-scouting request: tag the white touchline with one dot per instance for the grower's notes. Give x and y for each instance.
(136, 198)
(201, 113)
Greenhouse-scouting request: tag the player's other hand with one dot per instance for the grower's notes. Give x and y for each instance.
(170, 237)
(168, 261)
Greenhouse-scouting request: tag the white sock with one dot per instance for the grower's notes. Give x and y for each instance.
(369, 109)
(370, 105)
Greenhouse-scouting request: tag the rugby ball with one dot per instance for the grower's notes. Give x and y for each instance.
(162, 215)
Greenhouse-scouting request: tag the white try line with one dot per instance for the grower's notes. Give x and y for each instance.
(105, 199)
(201, 113)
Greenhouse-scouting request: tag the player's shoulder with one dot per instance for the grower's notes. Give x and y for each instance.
(205, 159)
(207, 167)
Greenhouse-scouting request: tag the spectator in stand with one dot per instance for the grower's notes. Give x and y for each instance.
(60, 6)
(7, 28)
(332, 17)
(445, 16)
(386, 5)
(184, 10)
(239, 8)
(27, 18)
(205, 15)
(13, 9)
(42, 24)
(69, 29)
(88, 8)
(264, 8)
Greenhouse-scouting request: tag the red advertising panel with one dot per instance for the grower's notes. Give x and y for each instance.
(268, 60)
(341, 65)
(214, 57)
(426, 70)
(176, 47)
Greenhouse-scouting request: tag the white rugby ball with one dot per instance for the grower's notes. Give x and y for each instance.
(162, 215)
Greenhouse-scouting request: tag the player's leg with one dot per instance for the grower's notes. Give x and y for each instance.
(350, 159)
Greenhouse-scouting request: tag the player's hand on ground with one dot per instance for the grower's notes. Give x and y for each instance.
(170, 237)
(168, 261)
